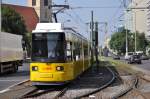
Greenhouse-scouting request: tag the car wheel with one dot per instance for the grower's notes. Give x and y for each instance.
(139, 62)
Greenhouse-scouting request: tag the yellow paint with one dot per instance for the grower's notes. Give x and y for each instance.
(47, 71)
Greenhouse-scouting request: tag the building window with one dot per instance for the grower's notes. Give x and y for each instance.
(33, 2)
(45, 14)
(45, 2)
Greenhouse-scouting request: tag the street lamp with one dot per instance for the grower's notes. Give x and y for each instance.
(134, 24)
(135, 37)
(135, 32)
(125, 24)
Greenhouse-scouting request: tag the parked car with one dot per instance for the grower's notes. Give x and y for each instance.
(128, 55)
(117, 57)
(144, 57)
(135, 59)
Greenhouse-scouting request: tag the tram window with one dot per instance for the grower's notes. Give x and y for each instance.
(77, 51)
(69, 50)
(85, 51)
(39, 46)
(48, 47)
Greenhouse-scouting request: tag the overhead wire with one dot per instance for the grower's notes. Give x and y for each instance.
(95, 7)
(77, 19)
(81, 20)
(113, 21)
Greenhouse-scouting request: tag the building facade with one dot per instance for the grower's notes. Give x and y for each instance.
(148, 20)
(136, 19)
(24, 11)
(42, 8)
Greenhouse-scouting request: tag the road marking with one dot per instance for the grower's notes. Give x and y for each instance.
(7, 89)
(10, 80)
(4, 90)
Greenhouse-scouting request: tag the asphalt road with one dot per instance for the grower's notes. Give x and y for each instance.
(7, 80)
(145, 64)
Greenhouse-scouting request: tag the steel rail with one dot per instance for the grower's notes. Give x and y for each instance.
(127, 90)
(100, 88)
(132, 87)
(61, 93)
(37, 93)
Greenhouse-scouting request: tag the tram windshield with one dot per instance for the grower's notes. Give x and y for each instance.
(48, 47)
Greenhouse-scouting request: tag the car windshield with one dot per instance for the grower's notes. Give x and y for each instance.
(48, 47)
(130, 53)
(136, 56)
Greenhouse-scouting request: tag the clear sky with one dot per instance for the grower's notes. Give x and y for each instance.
(107, 11)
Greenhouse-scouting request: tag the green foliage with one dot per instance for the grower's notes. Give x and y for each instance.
(141, 42)
(118, 41)
(12, 22)
(28, 39)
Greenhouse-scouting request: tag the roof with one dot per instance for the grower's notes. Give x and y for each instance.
(29, 15)
(48, 27)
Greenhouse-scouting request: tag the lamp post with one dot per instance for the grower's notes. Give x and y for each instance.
(134, 23)
(135, 32)
(125, 24)
(126, 41)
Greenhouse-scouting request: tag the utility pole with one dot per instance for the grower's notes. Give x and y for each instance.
(136, 8)
(126, 40)
(106, 30)
(91, 37)
(135, 33)
(0, 16)
(96, 45)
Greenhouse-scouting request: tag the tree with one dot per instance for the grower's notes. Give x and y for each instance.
(142, 42)
(12, 22)
(118, 41)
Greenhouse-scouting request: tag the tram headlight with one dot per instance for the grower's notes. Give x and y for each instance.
(34, 68)
(59, 68)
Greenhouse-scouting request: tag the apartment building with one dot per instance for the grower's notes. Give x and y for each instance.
(136, 19)
(42, 8)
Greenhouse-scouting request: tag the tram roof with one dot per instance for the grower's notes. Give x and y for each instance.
(48, 27)
(55, 27)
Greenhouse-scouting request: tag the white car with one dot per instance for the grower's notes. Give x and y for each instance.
(128, 55)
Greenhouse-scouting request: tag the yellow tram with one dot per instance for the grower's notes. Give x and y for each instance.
(59, 55)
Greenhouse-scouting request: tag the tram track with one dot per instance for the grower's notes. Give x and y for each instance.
(128, 83)
(83, 89)
(53, 93)
(100, 88)
(138, 90)
(77, 88)
(92, 83)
